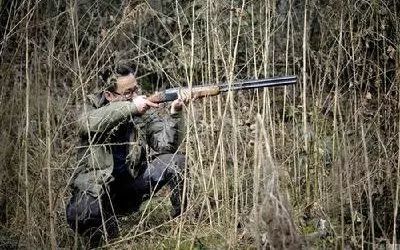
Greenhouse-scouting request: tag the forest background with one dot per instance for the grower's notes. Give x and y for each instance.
(314, 165)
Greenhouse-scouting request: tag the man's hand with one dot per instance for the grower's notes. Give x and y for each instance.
(177, 105)
(142, 104)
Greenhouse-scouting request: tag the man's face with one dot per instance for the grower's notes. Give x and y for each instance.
(127, 89)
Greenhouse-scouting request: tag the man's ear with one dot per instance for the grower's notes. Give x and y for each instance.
(109, 96)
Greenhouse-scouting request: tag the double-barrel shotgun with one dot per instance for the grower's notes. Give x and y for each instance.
(212, 90)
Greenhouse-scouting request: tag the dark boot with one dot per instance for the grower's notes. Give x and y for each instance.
(84, 215)
(178, 199)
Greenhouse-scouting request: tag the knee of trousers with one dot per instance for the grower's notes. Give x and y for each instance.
(175, 161)
(166, 166)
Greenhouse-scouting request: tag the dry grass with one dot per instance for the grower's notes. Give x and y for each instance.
(262, 164)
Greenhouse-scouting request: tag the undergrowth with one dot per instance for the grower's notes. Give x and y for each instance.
(266, 167)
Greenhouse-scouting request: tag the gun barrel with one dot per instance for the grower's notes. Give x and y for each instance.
(259, 83)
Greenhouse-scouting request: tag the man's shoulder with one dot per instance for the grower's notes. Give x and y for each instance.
(96, 100)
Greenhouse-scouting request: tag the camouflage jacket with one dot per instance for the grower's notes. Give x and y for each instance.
(106, 127)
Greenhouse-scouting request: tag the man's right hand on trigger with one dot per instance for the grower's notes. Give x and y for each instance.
(142, 104)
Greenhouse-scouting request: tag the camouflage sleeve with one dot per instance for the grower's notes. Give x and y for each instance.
(164, 135)
(101, 119)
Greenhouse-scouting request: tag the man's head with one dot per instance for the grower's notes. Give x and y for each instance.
(121, 85)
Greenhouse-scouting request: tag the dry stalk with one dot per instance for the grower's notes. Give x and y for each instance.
(27, 122)
(272, 224)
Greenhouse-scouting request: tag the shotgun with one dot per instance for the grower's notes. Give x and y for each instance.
(213, 90)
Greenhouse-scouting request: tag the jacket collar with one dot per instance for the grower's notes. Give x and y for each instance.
(97, 100)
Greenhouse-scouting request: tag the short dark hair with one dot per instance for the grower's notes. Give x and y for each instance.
(109, 76)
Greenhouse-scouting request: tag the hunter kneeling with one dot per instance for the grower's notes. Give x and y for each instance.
(115, 174)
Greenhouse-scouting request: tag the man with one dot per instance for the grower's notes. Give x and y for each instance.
(115, 172)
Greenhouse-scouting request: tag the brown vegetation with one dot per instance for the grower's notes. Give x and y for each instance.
(265, 166)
